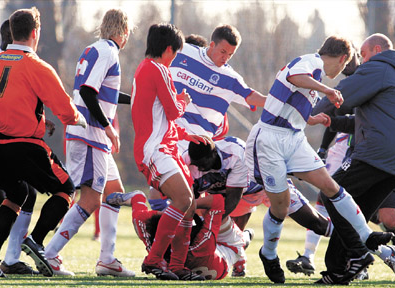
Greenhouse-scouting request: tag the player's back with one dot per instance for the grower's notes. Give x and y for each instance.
(21, 83)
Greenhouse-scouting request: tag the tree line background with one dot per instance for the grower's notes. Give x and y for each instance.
(269, 42)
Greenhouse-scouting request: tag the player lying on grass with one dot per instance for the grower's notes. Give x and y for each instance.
(214, 248)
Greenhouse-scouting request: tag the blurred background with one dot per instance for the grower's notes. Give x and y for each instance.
(273, 33)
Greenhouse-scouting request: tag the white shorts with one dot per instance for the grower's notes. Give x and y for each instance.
(273, 152)
(162, 166)
(90, 166)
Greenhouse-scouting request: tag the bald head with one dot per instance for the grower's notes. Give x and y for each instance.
(373, 45)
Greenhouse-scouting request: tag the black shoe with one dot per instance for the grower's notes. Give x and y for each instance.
(331, 279)
(188, 275)
(32, 249)
(356, 265)
(376, 239)
(1, 274)
(159, 272)
(18, 268)
(272, 269)
(302, 264)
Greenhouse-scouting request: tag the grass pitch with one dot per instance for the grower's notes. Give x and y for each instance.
(81, 254)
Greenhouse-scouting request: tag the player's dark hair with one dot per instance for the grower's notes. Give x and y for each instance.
(335, 46)
(161, 36)
(228, 33)
(23, 22)
(6, 37)
(353, 64)
(197, 40)
(201, 150)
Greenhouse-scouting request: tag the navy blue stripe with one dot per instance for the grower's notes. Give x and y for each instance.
(280, 91)
(204, 100)
(253, 188)
(269, 118)
(257, 172)
(91, 120)
(108, 94)
(197, 119)
(317, 74)
(91, 58)
(293, 62)
(195, 68)
(301, 104)
(234, 140)
(87, 175)
(98, 145)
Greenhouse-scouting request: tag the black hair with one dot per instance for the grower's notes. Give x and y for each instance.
(161, 36)
(201, 150)
(6, 37)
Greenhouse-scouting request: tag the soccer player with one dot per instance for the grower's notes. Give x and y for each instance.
(277, 146)
(219, 168)
(155, 106)
(214, 248)
(27, 84)
(212, 84)
(88, 152)
(369, 176)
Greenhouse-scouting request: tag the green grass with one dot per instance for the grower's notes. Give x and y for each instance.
(81, 254)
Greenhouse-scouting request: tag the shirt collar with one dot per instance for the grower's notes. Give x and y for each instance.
(20, 47)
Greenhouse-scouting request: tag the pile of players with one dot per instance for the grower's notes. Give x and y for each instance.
(203, 184)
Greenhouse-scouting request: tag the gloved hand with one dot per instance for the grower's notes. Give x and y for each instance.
(322, 153)
(81, 120)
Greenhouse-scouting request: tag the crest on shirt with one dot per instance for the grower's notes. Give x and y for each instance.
(214, 78)
(100, 181)
(184, 62)
(270, 181)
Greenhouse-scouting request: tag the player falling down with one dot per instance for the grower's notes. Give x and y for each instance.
(214, 248)
(216, 168)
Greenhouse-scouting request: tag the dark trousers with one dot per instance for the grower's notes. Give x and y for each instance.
(369, 187)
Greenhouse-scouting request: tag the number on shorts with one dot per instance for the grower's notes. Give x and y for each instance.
(4, 79)
(203, 271)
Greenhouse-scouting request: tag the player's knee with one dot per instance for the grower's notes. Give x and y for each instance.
(183, 202)
(388, 219)
(65, 196)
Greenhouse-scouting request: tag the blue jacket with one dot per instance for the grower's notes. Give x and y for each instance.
(371, 89)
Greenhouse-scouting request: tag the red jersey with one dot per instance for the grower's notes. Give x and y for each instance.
(154, 108)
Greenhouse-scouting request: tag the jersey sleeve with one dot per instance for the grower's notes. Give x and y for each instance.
(173, 107)
(49, 89)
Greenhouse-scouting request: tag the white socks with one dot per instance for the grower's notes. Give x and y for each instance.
(72, 221)
(271, 235)
(350, 211)
(18, 231)
(108, 219)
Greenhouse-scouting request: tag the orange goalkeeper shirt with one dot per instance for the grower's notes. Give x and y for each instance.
(26, 84)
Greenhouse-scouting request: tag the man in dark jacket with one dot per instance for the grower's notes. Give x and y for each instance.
(370, 174)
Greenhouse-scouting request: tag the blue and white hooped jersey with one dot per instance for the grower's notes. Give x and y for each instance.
(233, 172)
(211, 88)
(289, 106)
(98, 68)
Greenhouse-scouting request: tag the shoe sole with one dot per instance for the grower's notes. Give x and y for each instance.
(298, 268)
(41, 265)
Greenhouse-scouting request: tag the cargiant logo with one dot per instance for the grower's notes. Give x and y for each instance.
(194, 82)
